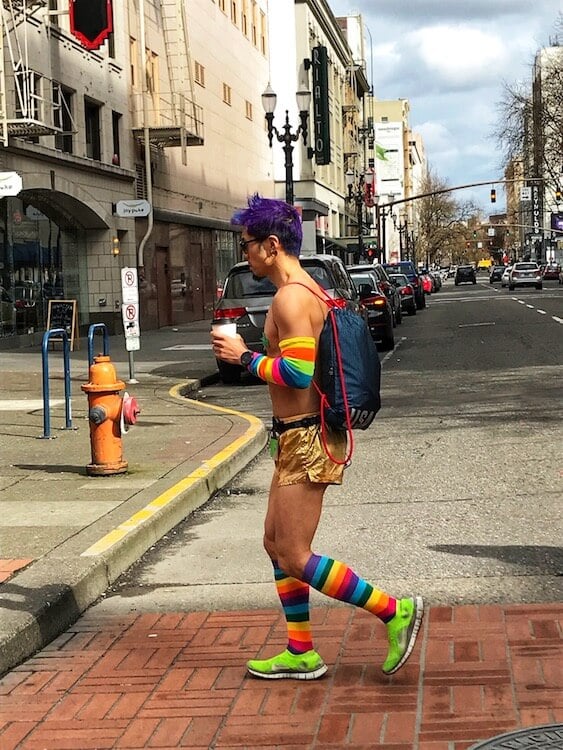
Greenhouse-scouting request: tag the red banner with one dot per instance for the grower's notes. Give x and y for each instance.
(91, 21)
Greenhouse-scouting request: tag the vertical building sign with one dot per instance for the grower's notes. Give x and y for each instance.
(91, 21)
(320, 105)
(537, 222)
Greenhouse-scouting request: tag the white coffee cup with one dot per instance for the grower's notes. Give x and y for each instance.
(226, 329)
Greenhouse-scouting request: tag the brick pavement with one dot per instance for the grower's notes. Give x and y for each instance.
(177, 680)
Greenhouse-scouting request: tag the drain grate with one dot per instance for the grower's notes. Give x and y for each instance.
(546, 737)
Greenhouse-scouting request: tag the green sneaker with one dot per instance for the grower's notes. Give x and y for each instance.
(307, 666)
(402, 631)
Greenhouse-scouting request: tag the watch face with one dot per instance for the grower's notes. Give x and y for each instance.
(246, 358)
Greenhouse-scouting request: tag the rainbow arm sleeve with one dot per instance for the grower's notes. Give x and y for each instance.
(294, 367)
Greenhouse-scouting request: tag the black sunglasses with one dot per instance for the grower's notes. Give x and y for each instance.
(243, 244)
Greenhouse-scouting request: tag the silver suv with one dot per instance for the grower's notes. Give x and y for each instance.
(525, 274)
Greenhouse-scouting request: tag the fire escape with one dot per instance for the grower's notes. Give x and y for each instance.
(31, 104)
(172, 118)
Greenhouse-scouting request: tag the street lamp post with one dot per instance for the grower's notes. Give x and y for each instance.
(269, 99)
(382, 212)
(357, 196)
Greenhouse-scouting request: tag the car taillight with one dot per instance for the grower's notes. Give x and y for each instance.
(377, 301)
(406, 290)
(231, 313)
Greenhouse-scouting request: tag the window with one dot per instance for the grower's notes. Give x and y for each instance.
(263, 32)
(253, 22)
(133, 60)
(152, 73)
(227, 94)
(199, 74)
(234, 11)
(53, 6)
(115, 130)
(248, 110)
(222, 4)
(92, 128)
(244, 17)
(62, 117)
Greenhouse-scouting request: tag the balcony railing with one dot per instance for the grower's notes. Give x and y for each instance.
(171, 119)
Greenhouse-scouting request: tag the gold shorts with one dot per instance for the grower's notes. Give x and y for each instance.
(301, 456)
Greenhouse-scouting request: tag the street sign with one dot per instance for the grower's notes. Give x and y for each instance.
(10, 184)
(128, 209)
(525, 193)
(491, 232)
(129, 285)
(130, 315)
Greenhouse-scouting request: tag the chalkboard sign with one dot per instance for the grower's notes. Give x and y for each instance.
(62, 313)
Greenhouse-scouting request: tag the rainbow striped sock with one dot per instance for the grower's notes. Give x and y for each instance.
(294, 597)
(337, 580)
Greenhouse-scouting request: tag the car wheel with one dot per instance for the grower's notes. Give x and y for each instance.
(399, 317)
(456, 283)
(511, 287)
(539, 286)
(474, 281)
(229, 374)
(412, 310)
(387, 342)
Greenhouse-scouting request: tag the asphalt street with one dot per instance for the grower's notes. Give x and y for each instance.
(454, 493)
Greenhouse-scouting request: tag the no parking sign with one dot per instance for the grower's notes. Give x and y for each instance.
(130, 309)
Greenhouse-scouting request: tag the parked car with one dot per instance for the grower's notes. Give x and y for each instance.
(465, 275)
(496, 274)
(408, 268)
(385, 285)
(551, 272)
(245, 300)
(381, 320)
(7, 313)
(505, 275)
(525, 274)
(427, 281)
(406, 292)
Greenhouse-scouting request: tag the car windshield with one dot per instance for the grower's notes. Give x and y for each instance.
(362, 278)
(243, 284)
(406, 268)
(526, 266)
(399, 278)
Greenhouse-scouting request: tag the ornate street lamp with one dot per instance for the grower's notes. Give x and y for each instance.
(269, 99)
(356, 195)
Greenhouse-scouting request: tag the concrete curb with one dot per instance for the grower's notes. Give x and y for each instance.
(57, 589)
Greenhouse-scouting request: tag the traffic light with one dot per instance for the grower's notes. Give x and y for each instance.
(468, 244)
(558, 195)
(493, 196)
(474, 234)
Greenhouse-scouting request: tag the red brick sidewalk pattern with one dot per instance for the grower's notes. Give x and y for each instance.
(178, 680)
(9, 566)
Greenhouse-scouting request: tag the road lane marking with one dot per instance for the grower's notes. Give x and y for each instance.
(541, 312)
(556, 319)
(530, 306)
(474, 325)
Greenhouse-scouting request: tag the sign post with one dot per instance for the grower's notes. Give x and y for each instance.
(130, 315)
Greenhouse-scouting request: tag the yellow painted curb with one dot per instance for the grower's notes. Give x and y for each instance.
(160, 502)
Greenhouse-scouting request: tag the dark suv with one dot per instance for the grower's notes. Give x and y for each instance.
(246, 299)
(408, 268)
(465, 275)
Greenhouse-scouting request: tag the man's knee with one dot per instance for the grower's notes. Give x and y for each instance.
(293, 563)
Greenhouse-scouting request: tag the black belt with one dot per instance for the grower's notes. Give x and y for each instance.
(278, 426)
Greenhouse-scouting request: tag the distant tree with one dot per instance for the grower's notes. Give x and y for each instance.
(442, 222)
(530, 122)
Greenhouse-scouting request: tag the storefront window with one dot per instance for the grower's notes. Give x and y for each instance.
(227, 254)
(39, 261)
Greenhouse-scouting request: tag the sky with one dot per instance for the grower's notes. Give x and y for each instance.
(450, 60)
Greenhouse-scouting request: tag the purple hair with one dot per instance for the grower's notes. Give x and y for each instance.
(266, 216)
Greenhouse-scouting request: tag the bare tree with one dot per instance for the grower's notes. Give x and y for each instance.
(442, 222)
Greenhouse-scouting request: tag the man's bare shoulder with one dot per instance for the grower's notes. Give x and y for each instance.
(298, 292)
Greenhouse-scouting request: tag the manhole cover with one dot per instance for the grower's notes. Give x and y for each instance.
(546, 737)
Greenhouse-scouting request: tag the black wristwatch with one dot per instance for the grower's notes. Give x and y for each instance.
(246, 358)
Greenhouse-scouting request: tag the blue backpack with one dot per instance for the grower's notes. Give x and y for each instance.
(349, 372)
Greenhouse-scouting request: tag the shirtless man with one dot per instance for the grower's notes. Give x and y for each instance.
(271, 238)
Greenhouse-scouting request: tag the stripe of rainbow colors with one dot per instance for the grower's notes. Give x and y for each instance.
(295, 366)
(294, 598)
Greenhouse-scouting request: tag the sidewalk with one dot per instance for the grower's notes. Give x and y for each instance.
(178, 679)
(65, 536)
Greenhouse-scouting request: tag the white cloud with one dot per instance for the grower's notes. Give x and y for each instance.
(460, 54)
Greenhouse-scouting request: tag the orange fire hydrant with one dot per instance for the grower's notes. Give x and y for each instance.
(107, 414)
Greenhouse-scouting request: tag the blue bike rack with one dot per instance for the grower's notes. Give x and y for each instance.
(60, 333)
(91, 331)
